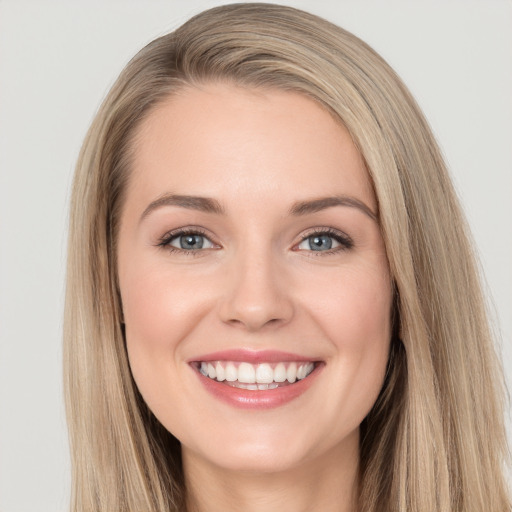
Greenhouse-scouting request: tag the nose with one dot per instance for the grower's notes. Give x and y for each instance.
(257, 294)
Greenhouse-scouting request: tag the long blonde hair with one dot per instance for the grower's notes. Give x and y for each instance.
(435, 439)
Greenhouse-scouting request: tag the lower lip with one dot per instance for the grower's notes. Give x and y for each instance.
(265, 399)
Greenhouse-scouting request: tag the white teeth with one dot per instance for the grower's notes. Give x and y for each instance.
(264, 374)
(258, 376)
(254, 387)
(308, 368)
(280, 373)
(246, 373)
(291, 373)
(219, 370)
(271, 385)
(231, 372)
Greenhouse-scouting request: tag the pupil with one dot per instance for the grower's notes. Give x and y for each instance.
(320, 242)
(191, 242)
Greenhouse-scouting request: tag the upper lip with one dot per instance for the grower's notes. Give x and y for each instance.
(252, 356)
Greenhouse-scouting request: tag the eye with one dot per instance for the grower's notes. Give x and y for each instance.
(186, 241)
(191, 242)
(326, 241)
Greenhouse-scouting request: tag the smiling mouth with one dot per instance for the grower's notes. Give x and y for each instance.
(255, 377)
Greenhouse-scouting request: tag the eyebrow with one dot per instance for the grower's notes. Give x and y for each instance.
(316, 205)
(209, 205)
(202, 204)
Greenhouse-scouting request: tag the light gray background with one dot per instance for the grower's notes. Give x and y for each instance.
(57, 61)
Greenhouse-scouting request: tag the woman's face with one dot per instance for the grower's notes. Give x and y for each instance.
(254, 279)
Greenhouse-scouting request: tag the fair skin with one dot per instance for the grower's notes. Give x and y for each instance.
(258, 277)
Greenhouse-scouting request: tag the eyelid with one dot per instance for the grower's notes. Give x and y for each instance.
(164, 240)
(342, 238)
(323, 230)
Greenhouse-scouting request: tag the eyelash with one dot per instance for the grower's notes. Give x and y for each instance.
(344, 240)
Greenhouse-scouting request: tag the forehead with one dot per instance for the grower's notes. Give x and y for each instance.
(221, 140)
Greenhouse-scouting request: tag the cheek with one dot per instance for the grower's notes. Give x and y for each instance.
(161, 308)
(354, 307)
(356, 319)
(159, 315)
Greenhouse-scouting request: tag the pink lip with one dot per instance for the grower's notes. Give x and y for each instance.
(251, 356)
(249, 399)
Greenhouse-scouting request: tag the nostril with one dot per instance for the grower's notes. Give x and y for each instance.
(254, 324)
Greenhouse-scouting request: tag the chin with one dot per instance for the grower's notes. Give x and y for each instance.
(260, 452)
(257, 460)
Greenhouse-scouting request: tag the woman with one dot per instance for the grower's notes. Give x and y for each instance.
(266, 305)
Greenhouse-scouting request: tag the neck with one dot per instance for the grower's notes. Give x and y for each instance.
(327, 483)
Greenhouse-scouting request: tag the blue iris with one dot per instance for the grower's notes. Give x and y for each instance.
(320, 242)
(191, 242)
